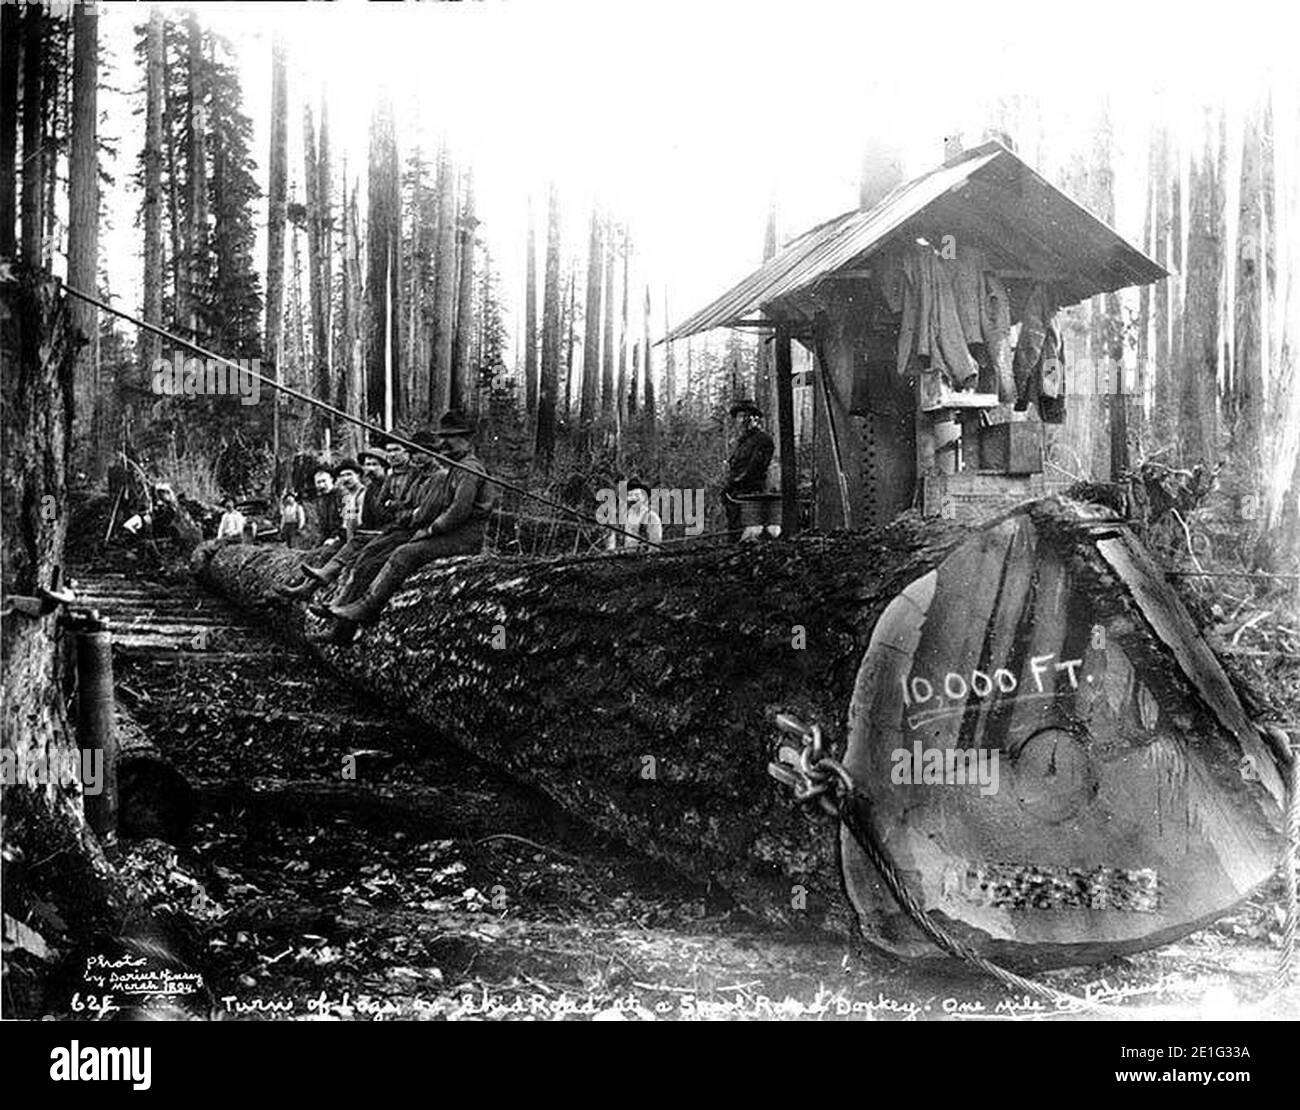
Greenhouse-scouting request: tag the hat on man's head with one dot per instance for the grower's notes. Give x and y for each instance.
(426, 437)
(347, 464)
(744, 405)
(456, 423)
(637, 483)
(378, 454)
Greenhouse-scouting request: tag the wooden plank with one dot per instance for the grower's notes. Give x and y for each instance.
(1171, 623)
(785, 433)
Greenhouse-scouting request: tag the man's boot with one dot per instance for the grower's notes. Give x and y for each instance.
(323, 576)
(367, 609)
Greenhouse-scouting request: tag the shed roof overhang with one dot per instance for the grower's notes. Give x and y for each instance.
(1027, 227)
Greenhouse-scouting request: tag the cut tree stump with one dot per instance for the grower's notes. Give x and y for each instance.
(639, 692)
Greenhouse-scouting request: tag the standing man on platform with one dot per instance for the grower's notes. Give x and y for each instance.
(746, 471)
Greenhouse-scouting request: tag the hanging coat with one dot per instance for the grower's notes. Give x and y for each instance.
(1039, 366)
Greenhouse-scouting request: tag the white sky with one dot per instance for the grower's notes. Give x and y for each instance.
(686, 118)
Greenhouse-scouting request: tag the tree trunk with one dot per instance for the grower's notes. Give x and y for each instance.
(640, 693)
(83, 234)
(1198, 424)
(381, 261)
(648, 368)
(570, 343)
(461, 386)
(196, 180)
(764, 396)
(1164, 288)
(54, 95)
(354, 403)
(607, 399)
(170, 142)
(316, 175)
(591, 334)
(549, 384)
(530, 318)
(275, 209)
(444, 289)
(625, 248)
(51, 856)
(10, 31)
(1248, 380)
(154, 268)
(33, 154)
(634, 394)
(324, 215)
(670, 362)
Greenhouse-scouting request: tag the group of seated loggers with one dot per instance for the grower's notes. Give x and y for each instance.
(407, 509)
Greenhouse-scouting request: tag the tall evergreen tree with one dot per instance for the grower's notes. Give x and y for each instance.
(549, 382)
(591, 338)
(275, 216)
(83, 230)
(382, 262)
(530, 317)
(462, 388)
(152, 172)
(233, 316)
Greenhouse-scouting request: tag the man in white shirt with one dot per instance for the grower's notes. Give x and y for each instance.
(641, 520)
(232, 522)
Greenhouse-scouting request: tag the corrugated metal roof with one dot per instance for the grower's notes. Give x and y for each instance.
(991, 196)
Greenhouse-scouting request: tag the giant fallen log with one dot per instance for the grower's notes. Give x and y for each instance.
(1053, 759)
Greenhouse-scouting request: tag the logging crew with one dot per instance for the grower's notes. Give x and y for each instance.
(402, 495)
(748, 463)
(382, 495)
(449, 520)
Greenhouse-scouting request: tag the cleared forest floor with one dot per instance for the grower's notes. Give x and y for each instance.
(429, 887)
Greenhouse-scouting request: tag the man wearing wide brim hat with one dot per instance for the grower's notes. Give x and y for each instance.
(450, 520)
(747, 465)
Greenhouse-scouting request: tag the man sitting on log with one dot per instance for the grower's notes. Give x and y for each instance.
(450, 520)
(325, 511)
(385, 497)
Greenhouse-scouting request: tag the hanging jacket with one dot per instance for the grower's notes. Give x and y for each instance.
(1039, 366)
(931, 328)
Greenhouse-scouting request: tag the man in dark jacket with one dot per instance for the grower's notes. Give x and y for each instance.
(747, 466)
(325, 511)
(450, 520)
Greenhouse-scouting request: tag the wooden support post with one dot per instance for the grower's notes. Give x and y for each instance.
(970, 440)
(95, 730)
(1118, 427)
(785, 433)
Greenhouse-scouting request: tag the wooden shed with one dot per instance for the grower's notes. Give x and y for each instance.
(868, 293)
